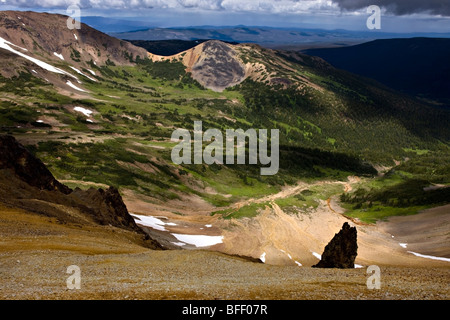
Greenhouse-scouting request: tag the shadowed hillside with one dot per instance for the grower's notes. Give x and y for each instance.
(417, 66)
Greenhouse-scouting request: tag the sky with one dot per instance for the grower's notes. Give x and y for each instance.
(396, 15)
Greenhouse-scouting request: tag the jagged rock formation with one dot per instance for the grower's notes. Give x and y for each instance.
(106, 207)
(341, 251)
(26, 183)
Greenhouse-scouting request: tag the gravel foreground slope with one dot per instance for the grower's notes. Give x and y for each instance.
(35, 252)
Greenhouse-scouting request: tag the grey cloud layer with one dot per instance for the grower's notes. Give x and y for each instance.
(271, 6)
(397, 7)
(400, 7)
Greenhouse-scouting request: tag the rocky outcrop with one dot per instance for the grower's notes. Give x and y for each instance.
(27, 167)
(26, 183)
(341, 251)
(105, 206)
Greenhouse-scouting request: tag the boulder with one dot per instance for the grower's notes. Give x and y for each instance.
(341, 251)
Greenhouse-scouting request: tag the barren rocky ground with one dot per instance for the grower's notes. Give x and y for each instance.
(35, 252)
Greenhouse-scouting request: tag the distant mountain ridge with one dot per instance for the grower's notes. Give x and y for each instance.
(417, 66)
(109, 24)
(265, 36)
(168, 47)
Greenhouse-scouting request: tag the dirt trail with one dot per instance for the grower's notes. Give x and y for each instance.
(288, 192)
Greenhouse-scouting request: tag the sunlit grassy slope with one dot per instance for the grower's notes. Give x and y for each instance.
(336, 127)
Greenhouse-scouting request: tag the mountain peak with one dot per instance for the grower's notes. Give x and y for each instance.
(214, 64)
(218, 67)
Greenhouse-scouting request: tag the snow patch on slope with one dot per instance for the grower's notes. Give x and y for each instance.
(430, 257)
(318, 256)
(78, 71)
(199, 240)
(59, 55)
(263, 257)
(149, 221)
(70, 84)
(4, 44)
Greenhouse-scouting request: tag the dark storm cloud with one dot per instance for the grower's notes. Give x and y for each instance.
(400, 7)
